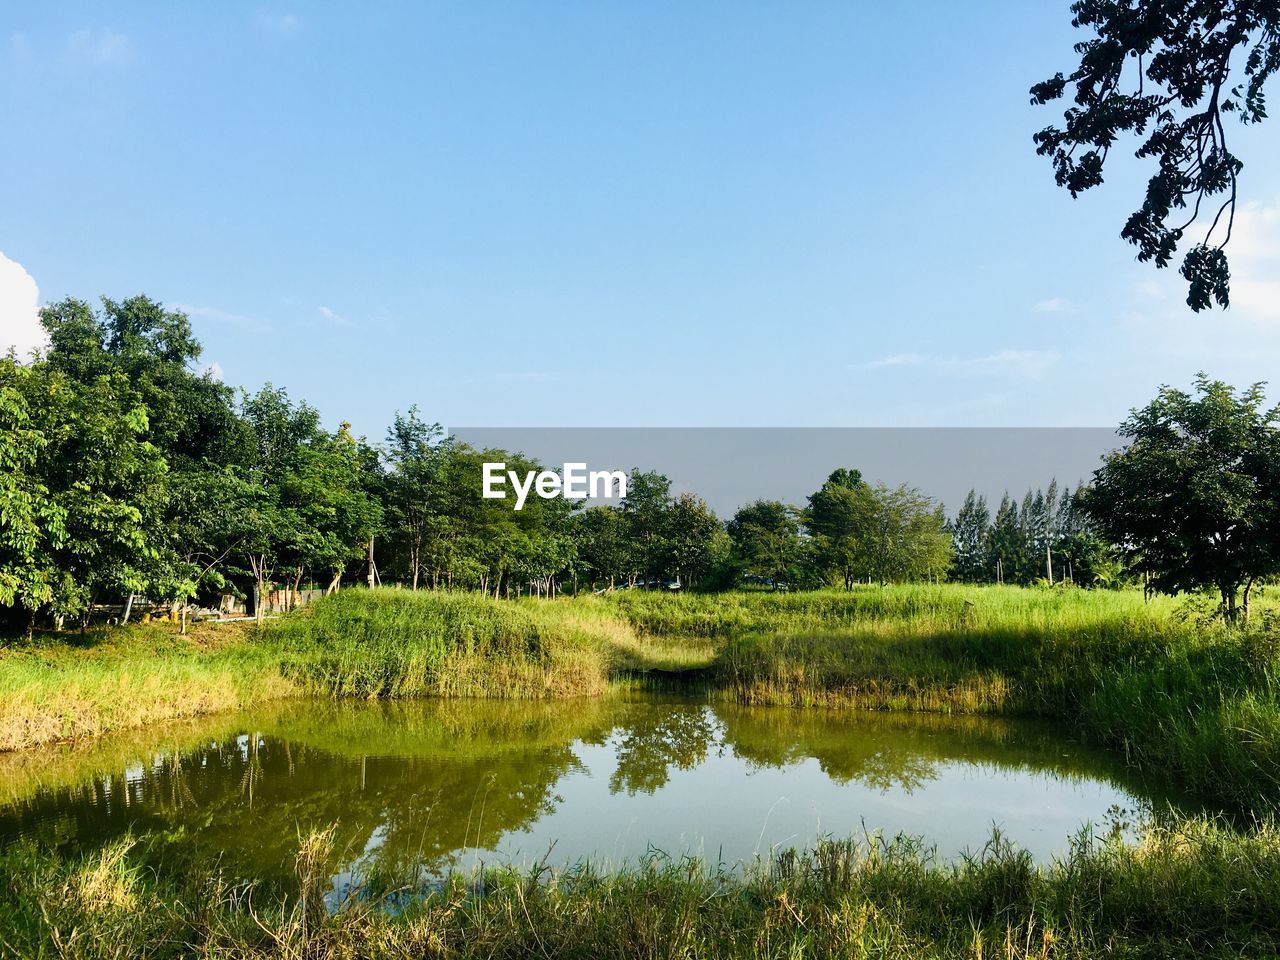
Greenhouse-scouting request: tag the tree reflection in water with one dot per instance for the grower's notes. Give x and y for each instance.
(654, 740)
(415, 786)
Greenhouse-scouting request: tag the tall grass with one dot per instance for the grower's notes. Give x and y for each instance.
(396, 643)
(69, 687)
(1193, 890)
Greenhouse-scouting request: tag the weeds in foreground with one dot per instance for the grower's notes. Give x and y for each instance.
(1199, 888)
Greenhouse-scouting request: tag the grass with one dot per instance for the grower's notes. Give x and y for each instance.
(1197, 889)
(69, 687)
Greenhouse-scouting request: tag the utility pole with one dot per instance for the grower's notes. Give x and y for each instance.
(1048, 564)
(372, 569)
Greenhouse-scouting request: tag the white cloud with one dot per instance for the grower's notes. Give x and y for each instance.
(100, 46)
(1254, 255)
(20, 47)
(1234, 343)
(277, 22)
(1054, 305)
(19, 302)
(1017, 363)
(221, 316)
(336, 319)
(213, 370)
(512, 377)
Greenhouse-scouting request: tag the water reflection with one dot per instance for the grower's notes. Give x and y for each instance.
(435, 785)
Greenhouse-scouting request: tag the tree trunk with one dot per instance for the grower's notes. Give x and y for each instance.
(258, 564)
(372, 570)
(1244, 606)
(31, 623)
(1228, 592)
(128, 608)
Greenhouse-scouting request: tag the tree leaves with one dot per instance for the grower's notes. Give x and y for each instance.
(1160, 70)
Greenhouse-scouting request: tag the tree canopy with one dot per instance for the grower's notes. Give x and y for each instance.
(1193, 500)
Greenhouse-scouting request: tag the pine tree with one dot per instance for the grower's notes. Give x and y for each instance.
(971, 531)
(1006, 546)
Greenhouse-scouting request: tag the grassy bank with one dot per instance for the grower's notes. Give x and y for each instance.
(73, 686)
(369, 644)
(1198, 889)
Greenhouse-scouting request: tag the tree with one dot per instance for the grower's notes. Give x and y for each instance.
(645, 509)
(840, 518)
(690, 532)
(602, 547)
(325, 488)
(1163, 70)
(32, 524)
(1194, 498)
(190, 420)
(81, 491)
(190, 416)
(970, 533)
(271, 530)
(1007, 550)
(766, 540)
(415, 454)
(908, 538)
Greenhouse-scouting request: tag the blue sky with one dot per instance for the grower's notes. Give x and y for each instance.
(607, 214)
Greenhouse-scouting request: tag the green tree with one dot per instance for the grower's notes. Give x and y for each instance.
(190, 419)
(909, 539)
(190, 415)
(32, 523)
(269, 530)
(645, 510)
(416, 452)
(840, 518)
(690, 535)
(970, 533)
(77, 506)
(766, 540)
(602, 546)
(1194, 498)
(1172, 73)
(1006, 546)
(326, 488)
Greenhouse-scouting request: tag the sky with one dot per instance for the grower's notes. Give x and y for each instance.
(622, 214)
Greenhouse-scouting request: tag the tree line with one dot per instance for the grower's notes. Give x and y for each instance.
(127, 473)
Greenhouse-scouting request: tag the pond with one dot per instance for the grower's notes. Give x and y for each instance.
(439, 785)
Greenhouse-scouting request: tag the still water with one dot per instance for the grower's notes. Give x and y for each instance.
(438, 785)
